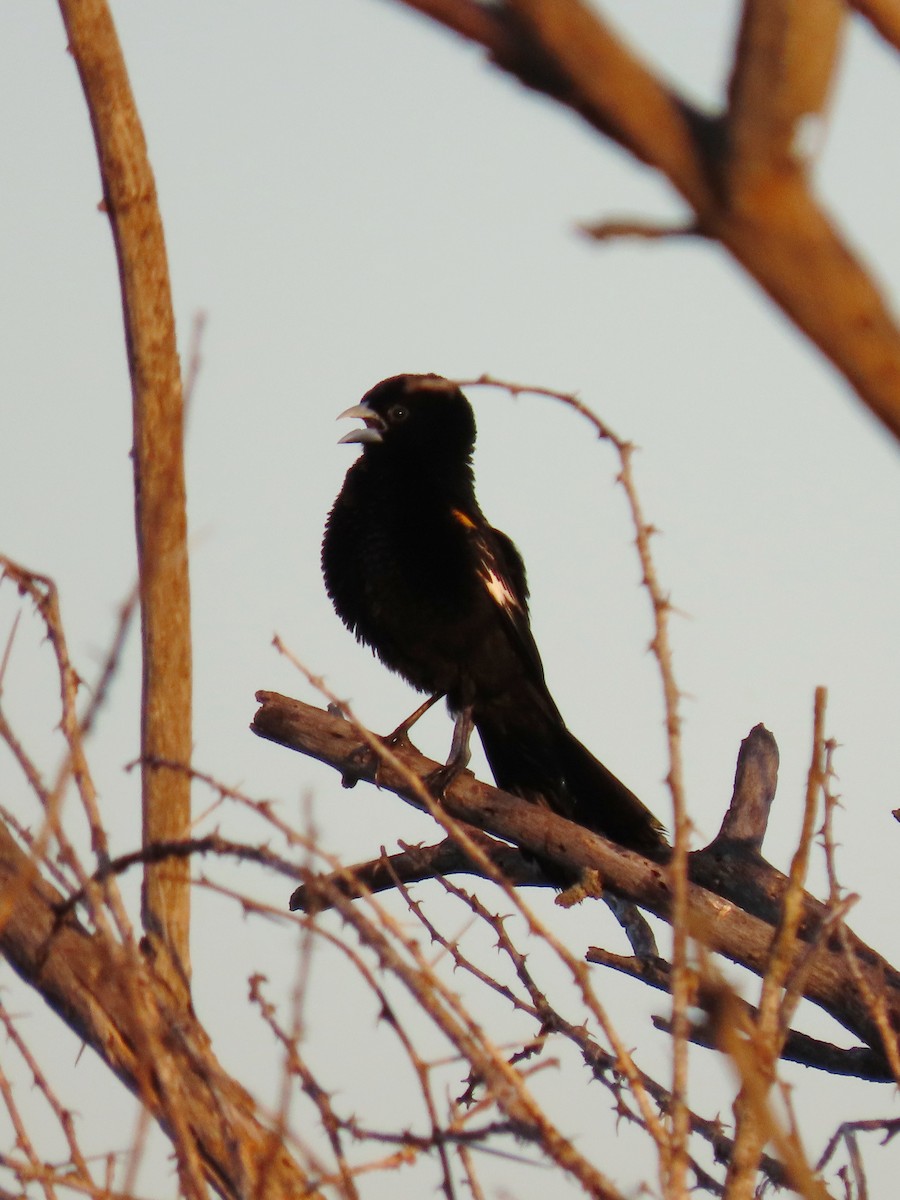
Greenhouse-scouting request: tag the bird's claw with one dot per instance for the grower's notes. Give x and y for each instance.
(438, 781)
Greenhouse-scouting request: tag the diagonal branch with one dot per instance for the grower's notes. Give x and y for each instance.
(783, 69)
(734, 902)
(120, 1006)
(779, 233)
(884, 16)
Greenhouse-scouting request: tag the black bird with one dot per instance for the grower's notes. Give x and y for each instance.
(415, 571)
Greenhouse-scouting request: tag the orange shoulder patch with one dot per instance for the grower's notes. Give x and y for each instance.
(459, 515)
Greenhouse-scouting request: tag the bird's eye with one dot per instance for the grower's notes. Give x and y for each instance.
(398, 413)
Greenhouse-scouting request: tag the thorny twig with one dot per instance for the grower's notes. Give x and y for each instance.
(662, 650)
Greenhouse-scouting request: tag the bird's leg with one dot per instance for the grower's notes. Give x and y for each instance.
(401, 733)
(438, 781)
(459, 747)
(361, 757)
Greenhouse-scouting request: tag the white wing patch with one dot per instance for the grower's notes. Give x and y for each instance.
(498, 587)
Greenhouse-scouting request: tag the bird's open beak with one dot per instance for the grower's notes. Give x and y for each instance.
(374, 425)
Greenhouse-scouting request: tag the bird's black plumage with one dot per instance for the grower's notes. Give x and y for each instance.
(417, 573)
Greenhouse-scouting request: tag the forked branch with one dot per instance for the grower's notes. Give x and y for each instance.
(735, 898)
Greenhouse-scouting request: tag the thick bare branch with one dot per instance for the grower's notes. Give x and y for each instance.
(858, 1061)
(129, 194)
(756, 1055)
(734, 903)
(92, 984)
(412, 865)
(884, 16)
(755, 780)
(779, 233)
(783, 68)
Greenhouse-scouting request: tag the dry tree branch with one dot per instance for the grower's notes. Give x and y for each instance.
(783, 68)
(757, 1057)
(99, 891)
(395, 760)
(647, 231)
(774, 226)
(436, 1137)
(42, 591)
(117, 1003)
(602, 1064)
(47, 1176)
(194, 362)
(111, 996)
(31, 1166)
(416, 863)
(592, 1052)
(77, 1165)
(734, 902)
(870, 995)
(392, 1018)
(296, 1065)
(859, 1062)
(100, 690)
(129, 195)
(846, 1132)
(399, 955)
(884, 16)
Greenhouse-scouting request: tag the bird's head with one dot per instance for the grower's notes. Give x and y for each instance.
(413, 416)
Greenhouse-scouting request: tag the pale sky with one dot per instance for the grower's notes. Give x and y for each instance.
(347, 193)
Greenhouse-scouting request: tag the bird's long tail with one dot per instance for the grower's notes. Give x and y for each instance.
(543, 762)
